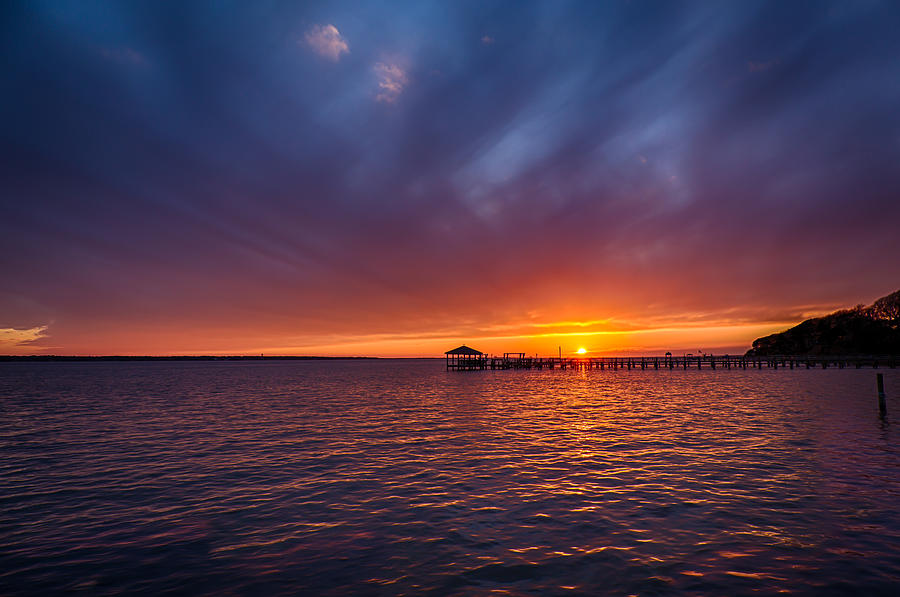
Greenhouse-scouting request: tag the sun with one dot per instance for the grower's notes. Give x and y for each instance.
(581, 351)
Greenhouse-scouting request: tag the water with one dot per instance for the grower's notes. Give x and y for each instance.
(396, 477)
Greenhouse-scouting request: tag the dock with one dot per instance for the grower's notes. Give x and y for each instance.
(471, 362)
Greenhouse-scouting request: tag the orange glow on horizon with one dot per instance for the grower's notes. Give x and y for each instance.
(545, 333)
(603, 338)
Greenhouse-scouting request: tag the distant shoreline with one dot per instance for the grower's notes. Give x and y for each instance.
(49, 357)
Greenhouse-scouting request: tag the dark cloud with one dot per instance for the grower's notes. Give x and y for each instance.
(210, 164)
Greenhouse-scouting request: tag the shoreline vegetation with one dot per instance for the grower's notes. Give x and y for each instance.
(862, 330)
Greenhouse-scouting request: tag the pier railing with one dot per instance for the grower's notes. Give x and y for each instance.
(684, 362)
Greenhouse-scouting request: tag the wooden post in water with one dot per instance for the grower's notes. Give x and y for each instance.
(882, 406)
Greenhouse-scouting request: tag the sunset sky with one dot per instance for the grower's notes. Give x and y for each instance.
(396, 179)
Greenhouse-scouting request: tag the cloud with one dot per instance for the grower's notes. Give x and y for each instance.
(12, 338)
(326, 41)
(391, 81)
(487, 40)
(210, 189)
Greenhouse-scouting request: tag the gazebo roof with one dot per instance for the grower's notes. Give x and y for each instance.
(463, 350)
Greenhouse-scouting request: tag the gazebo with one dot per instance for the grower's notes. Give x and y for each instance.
(465, 358)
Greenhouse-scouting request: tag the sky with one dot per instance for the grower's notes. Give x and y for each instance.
(396, 179)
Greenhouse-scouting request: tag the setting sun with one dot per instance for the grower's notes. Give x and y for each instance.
(581, 351)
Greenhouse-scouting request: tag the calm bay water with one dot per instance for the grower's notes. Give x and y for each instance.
(396, 477)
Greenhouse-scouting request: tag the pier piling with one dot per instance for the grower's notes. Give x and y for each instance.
(467, 359)
(882, 406)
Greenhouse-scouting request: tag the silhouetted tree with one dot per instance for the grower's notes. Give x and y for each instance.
(860, 330)
(887, 307)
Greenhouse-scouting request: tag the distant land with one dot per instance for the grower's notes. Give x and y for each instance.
(53, 357)
(862, 330)
(872, 330)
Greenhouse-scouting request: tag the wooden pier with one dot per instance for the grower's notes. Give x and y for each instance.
(480, 361)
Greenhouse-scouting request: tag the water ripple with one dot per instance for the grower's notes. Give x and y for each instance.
(396, 477)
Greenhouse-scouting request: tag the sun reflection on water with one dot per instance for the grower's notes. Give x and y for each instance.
(350, 476)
